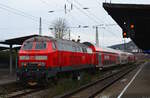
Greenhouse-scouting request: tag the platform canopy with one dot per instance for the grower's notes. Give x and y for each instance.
(133, 19)
(3, 48)
(16, 41)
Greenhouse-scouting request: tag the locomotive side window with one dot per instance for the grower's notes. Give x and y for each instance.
(68, 47)
(78, 49)
(54, 45)
(73, 48)
(60, 46)
(40, 45)
(81, 49)
(84, 49)
(28, 45)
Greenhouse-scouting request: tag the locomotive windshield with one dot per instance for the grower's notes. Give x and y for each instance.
(40, 45)
(28, 45)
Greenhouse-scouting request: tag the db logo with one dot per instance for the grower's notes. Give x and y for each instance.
(32, 57)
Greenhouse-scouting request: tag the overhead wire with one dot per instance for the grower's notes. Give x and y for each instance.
(96, 19)
(21, 13)
(44, 2)
(81, 10)
(69, 13)
(14, 12)
(11, 8)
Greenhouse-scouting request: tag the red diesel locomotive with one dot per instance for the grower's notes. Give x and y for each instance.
(41, 58)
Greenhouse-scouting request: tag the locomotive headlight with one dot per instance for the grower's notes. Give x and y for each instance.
(23, 64)
(24, 57)
(40, 64)
(42, 57)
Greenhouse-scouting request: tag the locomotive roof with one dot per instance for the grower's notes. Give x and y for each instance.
(71, 42)
(40, 38)
(46, 38)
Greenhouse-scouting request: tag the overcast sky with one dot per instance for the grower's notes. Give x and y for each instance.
(21, 17)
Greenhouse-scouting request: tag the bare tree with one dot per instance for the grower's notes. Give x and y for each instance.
(60, 28)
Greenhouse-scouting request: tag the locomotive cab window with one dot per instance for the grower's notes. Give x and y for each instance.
(40, 45)
(28, 45)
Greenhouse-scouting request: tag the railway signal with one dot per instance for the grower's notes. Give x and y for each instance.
(125, 35)
(132, 26)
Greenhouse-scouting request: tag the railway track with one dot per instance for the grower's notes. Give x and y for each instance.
(92, 89)
(14, 90)
(22, 93)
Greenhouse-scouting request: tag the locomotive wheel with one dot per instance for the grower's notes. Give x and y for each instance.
(55, 80)
(76, 76)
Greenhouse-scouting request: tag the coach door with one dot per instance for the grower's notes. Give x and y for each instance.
(99, 60)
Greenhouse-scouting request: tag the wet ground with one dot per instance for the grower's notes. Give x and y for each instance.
(134, 85)
(6, 77)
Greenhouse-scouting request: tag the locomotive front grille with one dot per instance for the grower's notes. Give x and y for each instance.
(33, 67)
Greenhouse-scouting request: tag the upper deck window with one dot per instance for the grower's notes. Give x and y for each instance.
(40, 45)
(27, 45)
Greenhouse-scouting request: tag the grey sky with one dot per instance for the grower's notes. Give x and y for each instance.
(14, 25)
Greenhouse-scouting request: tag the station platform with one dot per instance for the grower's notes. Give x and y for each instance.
(136, 84)
(6, 77)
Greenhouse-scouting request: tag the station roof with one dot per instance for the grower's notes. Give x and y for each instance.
(16, 41)
(3, 48)
(136, 14)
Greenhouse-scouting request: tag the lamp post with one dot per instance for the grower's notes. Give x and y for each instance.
(97, 35)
